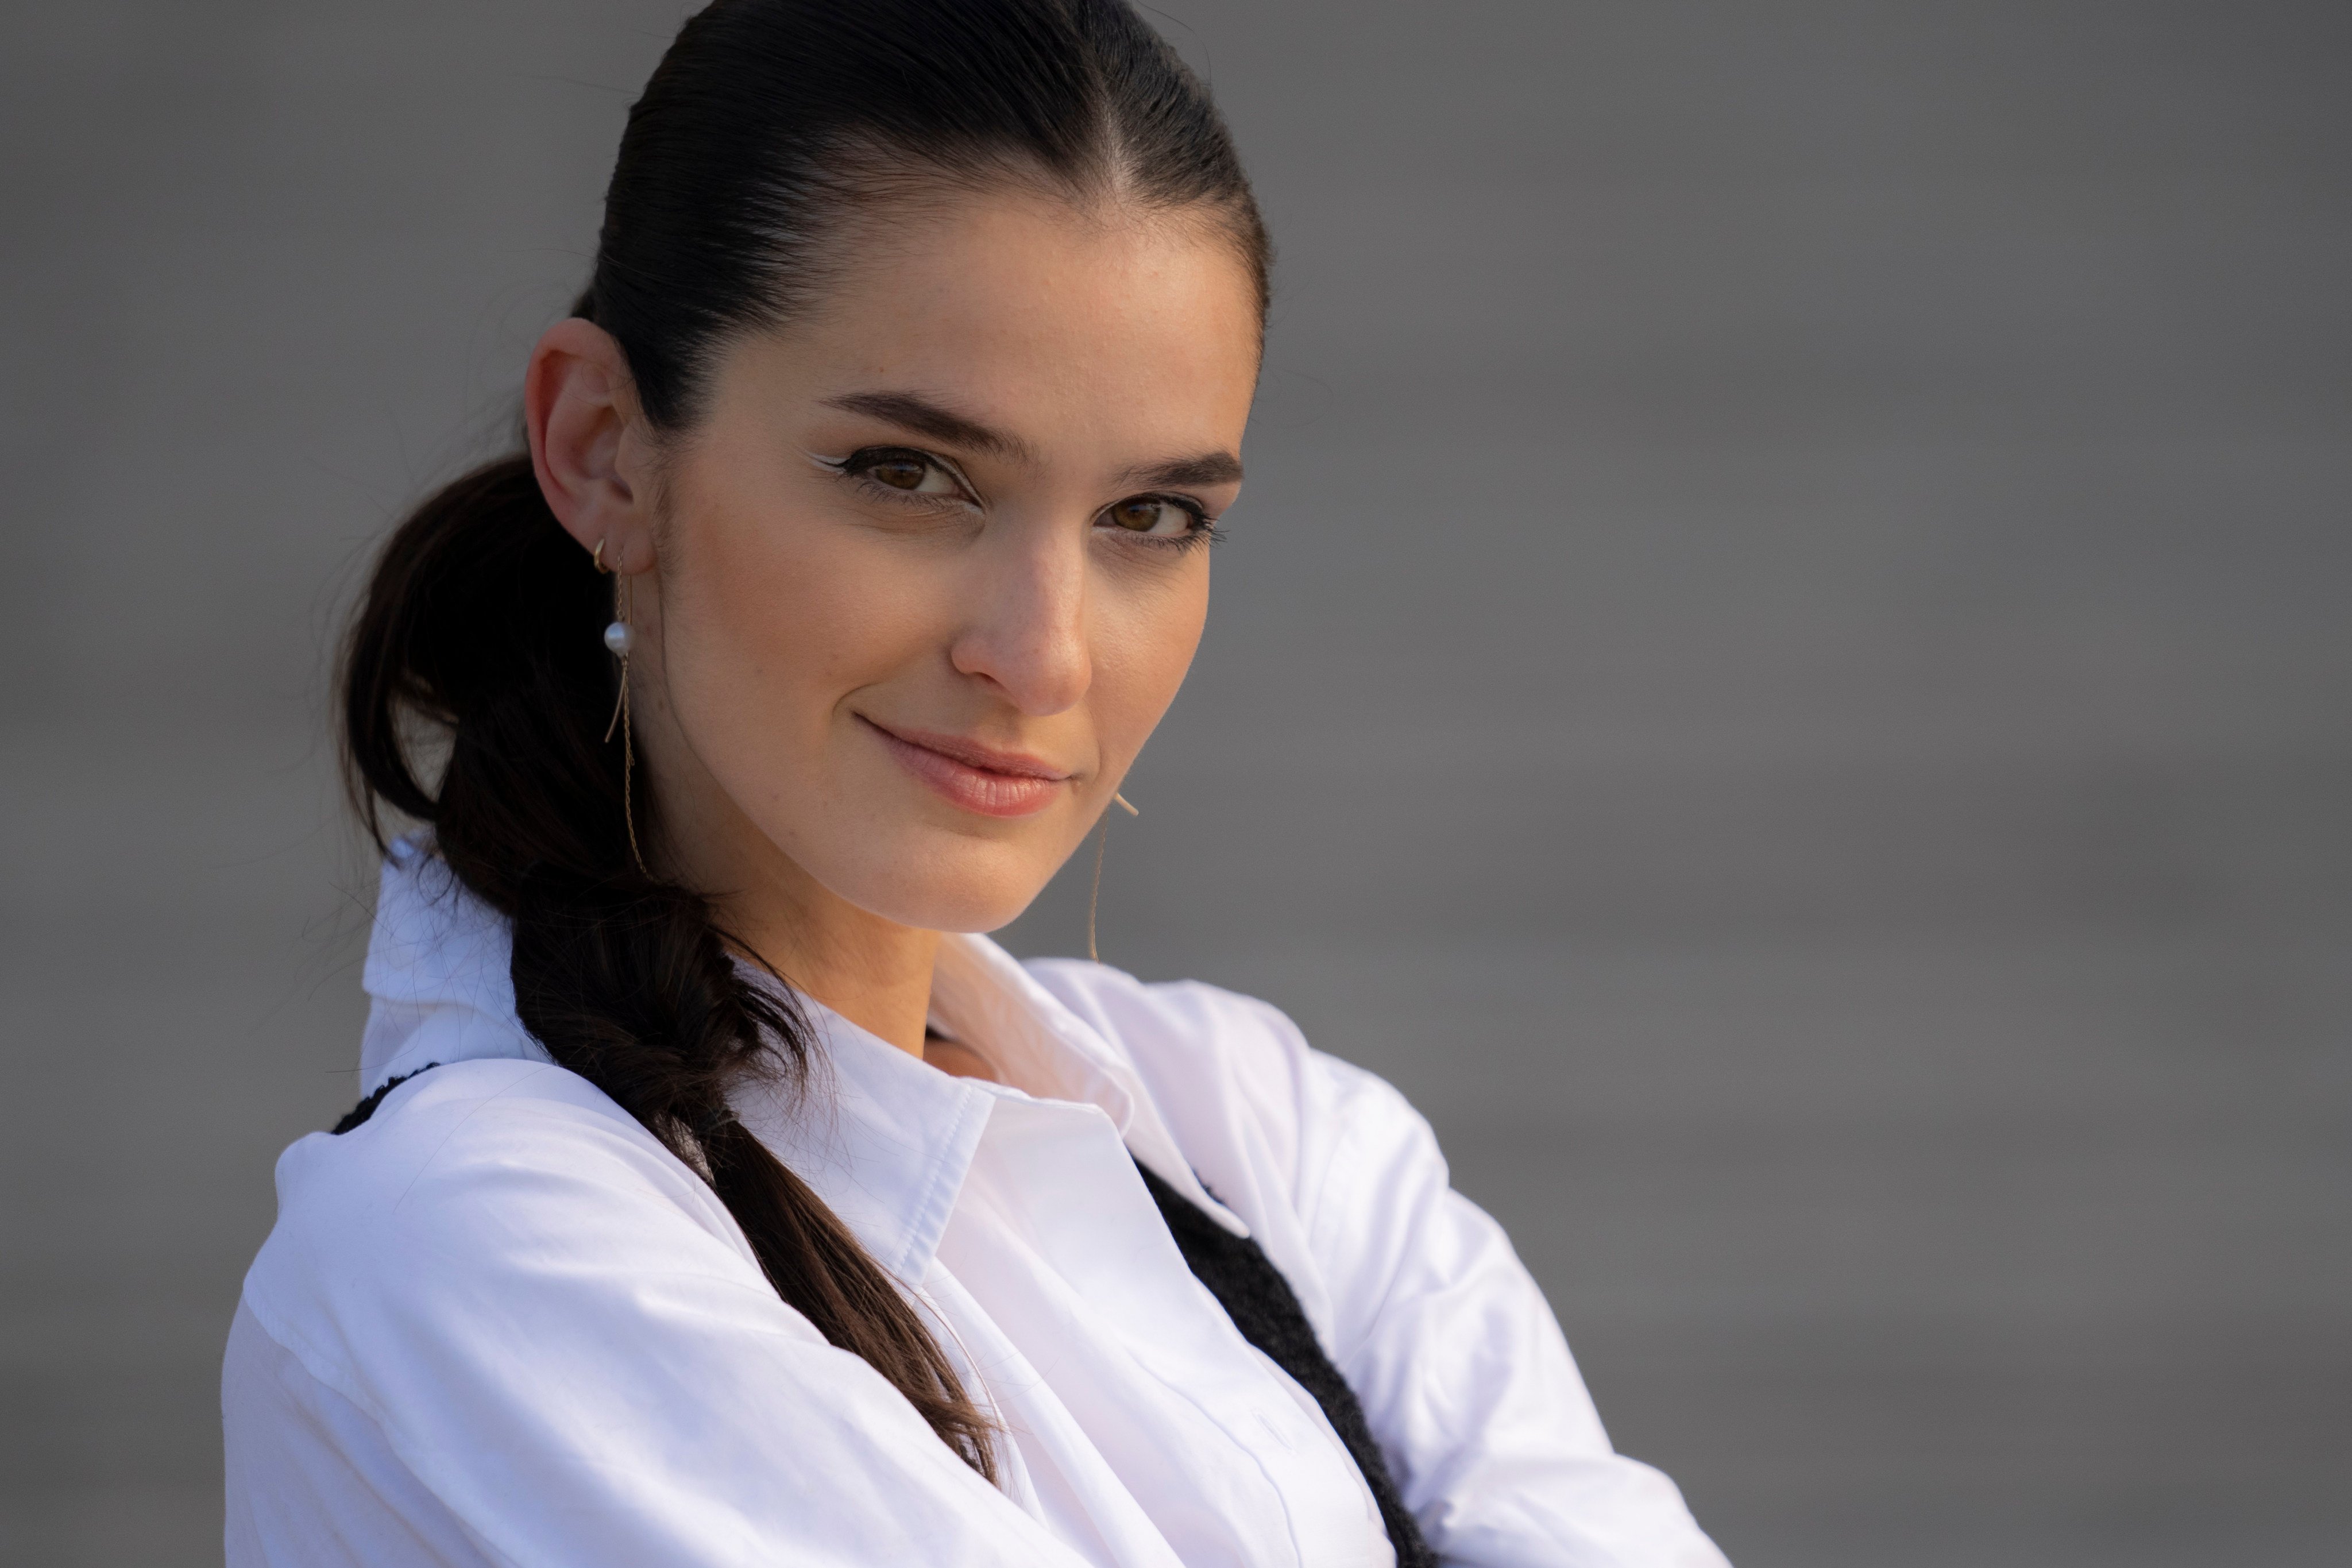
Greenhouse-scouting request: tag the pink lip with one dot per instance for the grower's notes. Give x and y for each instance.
(976, 777)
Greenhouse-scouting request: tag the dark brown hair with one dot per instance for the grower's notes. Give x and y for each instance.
(771, 130)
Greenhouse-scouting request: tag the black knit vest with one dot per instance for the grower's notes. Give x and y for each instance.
(1262, 1305)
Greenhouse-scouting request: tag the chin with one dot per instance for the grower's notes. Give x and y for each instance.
(964, 886)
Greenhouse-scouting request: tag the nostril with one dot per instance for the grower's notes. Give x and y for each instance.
(1039, 675)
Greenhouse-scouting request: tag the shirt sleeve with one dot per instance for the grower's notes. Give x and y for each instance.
(565, 1343)
(1462, 1368)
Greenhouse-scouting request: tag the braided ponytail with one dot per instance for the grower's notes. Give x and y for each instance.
(762, 130)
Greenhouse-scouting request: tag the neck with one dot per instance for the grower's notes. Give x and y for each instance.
(875, 973)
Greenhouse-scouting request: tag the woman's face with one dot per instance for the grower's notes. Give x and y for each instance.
(933, 562)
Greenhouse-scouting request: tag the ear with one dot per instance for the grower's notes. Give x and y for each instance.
(588, 443)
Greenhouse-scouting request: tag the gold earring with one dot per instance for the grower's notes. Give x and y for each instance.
(621, 637)
(1094, 895)
(599, 557)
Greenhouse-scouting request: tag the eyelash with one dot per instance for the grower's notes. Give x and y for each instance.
(854, 467)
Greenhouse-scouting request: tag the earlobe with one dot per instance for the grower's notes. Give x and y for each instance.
(580, 415)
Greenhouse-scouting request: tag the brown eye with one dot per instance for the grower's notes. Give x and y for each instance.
(905, 470)
(1149, 514)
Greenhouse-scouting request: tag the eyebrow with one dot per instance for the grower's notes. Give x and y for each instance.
(913, 410)
(927, 416)
(1206, 468)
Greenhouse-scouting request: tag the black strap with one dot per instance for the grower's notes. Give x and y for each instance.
(1263, 1306)
(358, 1115)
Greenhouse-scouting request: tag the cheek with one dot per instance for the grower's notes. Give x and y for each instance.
(778, 618)
(1142, 650)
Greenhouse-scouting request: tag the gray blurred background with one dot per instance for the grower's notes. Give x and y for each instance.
(1784, 671)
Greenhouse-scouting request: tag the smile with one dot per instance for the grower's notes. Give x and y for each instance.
(976, 777)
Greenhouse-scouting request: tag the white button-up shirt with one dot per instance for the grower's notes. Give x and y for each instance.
(500, 1323)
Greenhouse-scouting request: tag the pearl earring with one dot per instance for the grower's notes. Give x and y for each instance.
(620, 638)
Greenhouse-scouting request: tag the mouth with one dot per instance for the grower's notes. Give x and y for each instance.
(978, 778)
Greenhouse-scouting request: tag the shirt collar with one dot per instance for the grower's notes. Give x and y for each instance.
(440, 972)
(885, 1141)
(981, 996)
(882, 1137)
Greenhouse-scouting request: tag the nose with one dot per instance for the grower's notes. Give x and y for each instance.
(1026, 631)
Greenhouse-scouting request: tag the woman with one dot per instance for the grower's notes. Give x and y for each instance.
(717, 1197)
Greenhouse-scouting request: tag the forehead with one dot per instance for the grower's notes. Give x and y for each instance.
(1061, 325)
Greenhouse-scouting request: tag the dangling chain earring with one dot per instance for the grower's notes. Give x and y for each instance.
(1093, 897)
(621, 637)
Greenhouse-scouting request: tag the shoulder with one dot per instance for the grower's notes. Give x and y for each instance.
(545, 1319)
(471, 1186)
(460, 1138)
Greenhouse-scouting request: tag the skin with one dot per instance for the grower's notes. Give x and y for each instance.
(1039, 593)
